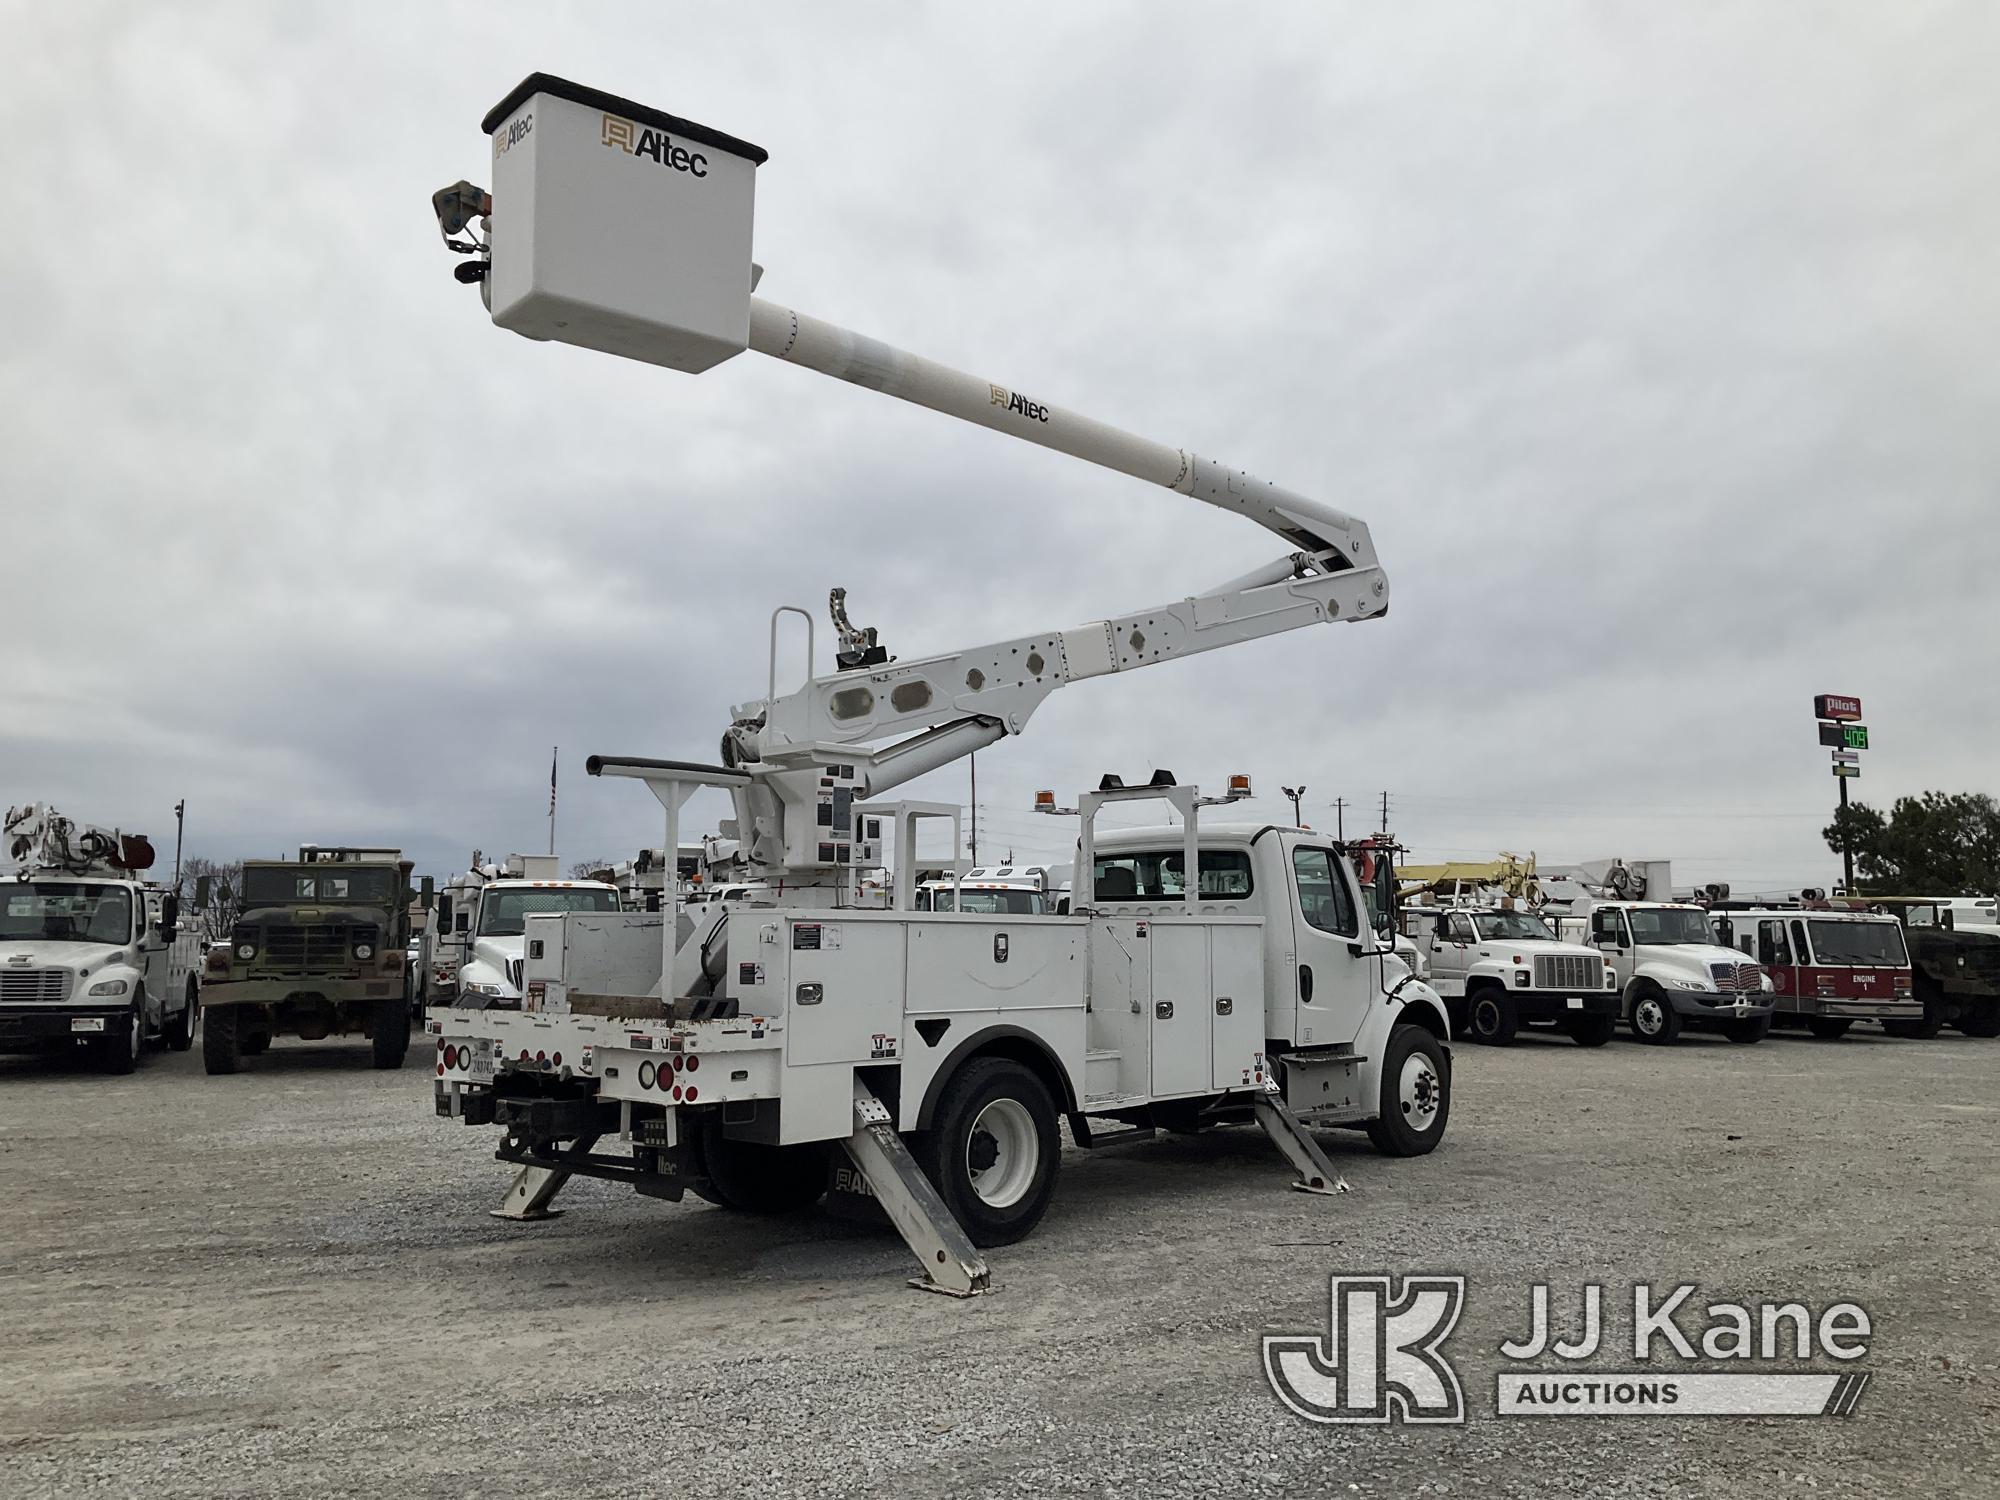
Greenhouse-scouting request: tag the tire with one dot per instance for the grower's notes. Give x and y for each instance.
(1828, 1028)
(1748, 1032)
(992, 1151)
(1979, 1018)
(757, 1179)
(390, 1035)
(182, 1031)
(255, 1043)
(1494, 1018)
(118, 1053)
(1933, 1021)
(1590, 1031)
(1905, 1029)
(221, 1039)
(1654, 1018)
(1415, 1102)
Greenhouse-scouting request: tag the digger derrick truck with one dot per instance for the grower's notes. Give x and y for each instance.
(733, 1050)
(93, 957)
(320, 948)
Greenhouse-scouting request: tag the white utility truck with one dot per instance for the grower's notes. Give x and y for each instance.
(495, 902)
(1672, 972)
(1499, 967)
(92, 956)
(1017, 890)
(752, 1039)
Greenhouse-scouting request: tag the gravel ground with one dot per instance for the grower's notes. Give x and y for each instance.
(284, 1283)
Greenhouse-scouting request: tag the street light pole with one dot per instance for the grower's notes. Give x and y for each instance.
(180, 824)
(1295, 793)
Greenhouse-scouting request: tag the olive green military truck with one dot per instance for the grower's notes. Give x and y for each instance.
(1957, 967)
(321, 949)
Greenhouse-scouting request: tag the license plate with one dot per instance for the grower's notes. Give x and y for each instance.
(1575, 1002)
(482, 1060)
(86, 1023)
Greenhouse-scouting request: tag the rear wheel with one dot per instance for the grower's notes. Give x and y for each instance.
(182, 1030)
(1590, 1031)
(1979, 1018)
(221, 1039)
(753, 1178)
(1654, 1018)
(992, 1149)
(1415, 1101)
(1828, 1028)
(1494, 1019)
(391, 1032)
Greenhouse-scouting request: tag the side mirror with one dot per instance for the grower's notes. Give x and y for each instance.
(170, 913)
(443, 923)
(427, 894)
(201, 891)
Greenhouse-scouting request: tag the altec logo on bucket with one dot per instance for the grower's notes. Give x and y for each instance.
(642, 140)
(1381, 1359)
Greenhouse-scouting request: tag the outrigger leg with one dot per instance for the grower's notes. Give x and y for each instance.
(534, 1189)
(951, 1263)
(1289, 1135)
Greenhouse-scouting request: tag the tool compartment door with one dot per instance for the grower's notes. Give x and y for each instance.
(845, 1002)
(1236, 1002)
(1183, 1058)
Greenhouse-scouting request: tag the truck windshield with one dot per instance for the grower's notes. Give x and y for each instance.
(1666, 924)
(61, 913)
(991, 903)
(1502, 925)
(316, 885)
(1153, 875)
(1873, 944)
(506, 913)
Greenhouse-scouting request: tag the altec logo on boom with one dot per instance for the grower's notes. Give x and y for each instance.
(643, 140)
(1034, 411)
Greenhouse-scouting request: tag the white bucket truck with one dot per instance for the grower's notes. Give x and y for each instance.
(482, 925)
(92, 956)
(732, 1049)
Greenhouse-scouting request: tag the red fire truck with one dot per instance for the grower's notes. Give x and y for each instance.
(1830, 967)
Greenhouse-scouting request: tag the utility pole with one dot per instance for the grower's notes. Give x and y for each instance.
(1340, 819)
(1385, 812)
(974, 759)
(1295, 793)
(180, 825)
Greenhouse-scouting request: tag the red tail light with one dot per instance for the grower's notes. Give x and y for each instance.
(693, 1062)
(556, 1061)
(677, 1093)
(690, 1093)
(451, 1057)
(440, 1044)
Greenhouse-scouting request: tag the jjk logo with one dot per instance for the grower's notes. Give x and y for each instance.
(1380, 1362)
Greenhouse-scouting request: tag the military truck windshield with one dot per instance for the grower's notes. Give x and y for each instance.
(506, 913)
(1503, 925)
(1156, 875)
(991, 903)
(1874, 944)
(316, 885)
(53, 912)
(1661, 925)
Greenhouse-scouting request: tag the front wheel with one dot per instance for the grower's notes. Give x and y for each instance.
(221, 1039)
(1654, 1019)
(1494, 1018)
(1979, 1019)
(187, 1025)
(1590, 1030)
(992, 1150)
(1829, 1028)
(1415, 1100)
(120, 1048)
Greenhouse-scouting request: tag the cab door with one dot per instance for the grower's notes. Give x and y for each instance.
(1451, 950)
(155, 956)
(1612, 936)
(1336, 978)
(1775, 953)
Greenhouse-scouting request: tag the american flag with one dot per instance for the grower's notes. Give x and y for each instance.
(552, 779)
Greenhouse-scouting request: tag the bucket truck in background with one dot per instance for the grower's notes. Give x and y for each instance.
(481, 926)
(93, 957)
(734, 1048)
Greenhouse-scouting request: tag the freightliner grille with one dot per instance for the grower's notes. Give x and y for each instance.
(1738, 979)
(22, 986)
(316, 945)
(1566, 971)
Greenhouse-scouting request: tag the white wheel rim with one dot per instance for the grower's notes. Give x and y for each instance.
(1648, 1015)
(1418, 1092)
(137, 1030)
(1003, 1138)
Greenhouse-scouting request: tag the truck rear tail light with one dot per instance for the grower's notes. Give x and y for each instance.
(693, 1062)
(555, 1061)
(690, 1093)
(524, 1055)
(440, 1044)
(451, 1057)
(541, 1059)
(1902, 984)
(677, 1093)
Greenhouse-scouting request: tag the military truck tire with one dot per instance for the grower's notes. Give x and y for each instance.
(221, 1039)
(1590, 1031)
(391, 1032)
(119, 1051)
(1494, 1019)
(1415, 1102)
(1979, 1018)
(184, 1028)
(992, 1149)
(1829, 1028)
(1654, 1018)
(1748, 1032)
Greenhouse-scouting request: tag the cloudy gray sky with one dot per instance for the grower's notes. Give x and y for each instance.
(1655, 343)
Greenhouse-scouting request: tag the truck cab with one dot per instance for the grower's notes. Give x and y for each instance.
(1672, 973)
(1500, 967)
(1016, 890)
(1828, 969)
(95, 963)
(488, 973)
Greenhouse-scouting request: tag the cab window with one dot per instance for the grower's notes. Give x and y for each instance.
(1772, 945)
(1460, 930)
(1324, 898)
